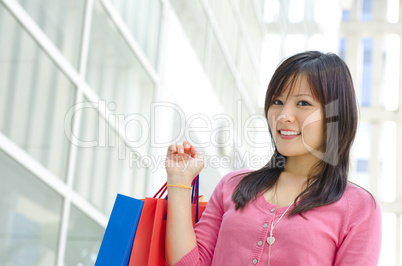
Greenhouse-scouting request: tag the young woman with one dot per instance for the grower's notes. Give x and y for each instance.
(299, 209)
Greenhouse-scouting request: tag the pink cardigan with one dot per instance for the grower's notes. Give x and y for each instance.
(347, 232)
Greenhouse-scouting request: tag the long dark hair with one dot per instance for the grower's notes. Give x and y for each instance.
(331, 83)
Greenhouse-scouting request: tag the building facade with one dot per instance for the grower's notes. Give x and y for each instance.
(93, 92)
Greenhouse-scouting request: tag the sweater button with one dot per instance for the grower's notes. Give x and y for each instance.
(260, 243)
(265, 226)
(273, 209)
(255, 261)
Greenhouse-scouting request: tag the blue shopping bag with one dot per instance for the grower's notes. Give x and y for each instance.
(120, 232)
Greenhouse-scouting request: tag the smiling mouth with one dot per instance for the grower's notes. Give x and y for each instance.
(289, 133)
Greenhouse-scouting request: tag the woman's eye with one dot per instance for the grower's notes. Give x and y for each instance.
(303, 103)
(277, 102)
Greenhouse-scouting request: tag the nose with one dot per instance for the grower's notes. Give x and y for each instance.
(287, 114)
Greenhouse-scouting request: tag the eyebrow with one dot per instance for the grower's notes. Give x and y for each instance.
(298, 95)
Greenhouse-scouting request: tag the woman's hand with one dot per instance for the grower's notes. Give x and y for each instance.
(183, 163)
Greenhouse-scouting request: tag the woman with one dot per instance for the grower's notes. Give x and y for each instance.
(299, 209)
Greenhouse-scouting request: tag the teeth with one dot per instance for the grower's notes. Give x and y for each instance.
(289, 133)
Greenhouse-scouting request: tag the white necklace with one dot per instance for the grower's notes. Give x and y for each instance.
(271, 239)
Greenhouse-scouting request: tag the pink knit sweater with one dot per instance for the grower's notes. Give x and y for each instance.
(347, 232)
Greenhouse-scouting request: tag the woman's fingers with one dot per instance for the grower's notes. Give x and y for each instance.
(185, 158)
(182, 148)
(193, 151)
(187, 145)
(172, 149)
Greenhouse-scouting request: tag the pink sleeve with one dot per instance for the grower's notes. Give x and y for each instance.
(189, 259)
(362, 242)
(207, 229)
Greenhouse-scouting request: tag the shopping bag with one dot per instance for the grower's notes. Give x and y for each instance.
(149, 243)
(119, 235)
(148, 247)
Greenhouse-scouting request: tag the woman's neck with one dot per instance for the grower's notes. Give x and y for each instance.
(300, 165)
(292, 181)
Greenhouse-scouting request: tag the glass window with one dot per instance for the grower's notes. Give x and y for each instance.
(316, 42)
(30, 217)
(34, 97)
(387, 155)
(367, 10)
(248, 72)
(270, 56)
(144, 20)
(295, 43)
(320, 11)
(391, 71)
(362, 166)
(400, 238)
(271, 10)
(253, 28)
(83, 239)
(228, 25)
(361, 153)
(342, 47)
(222, 79)
(105, 165)
(61, 21)
(388, 249)
(194, 22)
(367, 71)
(392, 15)
(345, 15)
(116, 75)
(296, 11)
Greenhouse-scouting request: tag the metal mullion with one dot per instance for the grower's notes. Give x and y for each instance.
(95, 156)
(398, 171)
(398, 239)
(355, 16)
(62, 243)
(377, 66)
(48, 178)
(400, 20)
(82, 68)
(166, 11)
(31, 164)
(51, 92)
(49, 48)
(129, 39)
(260, 17)
(107, 170)
(399, 130)
(12, 80)
(246, 37)
(229, 60)
(137, 50)
(374, 160)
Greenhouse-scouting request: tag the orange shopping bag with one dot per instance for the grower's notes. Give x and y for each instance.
(149, 242)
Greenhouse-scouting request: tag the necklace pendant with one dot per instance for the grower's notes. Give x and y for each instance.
(271, 240)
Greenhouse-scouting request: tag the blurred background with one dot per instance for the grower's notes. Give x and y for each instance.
(92, 92)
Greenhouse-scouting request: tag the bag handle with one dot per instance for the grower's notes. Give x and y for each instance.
(195, 194)
(161, 192)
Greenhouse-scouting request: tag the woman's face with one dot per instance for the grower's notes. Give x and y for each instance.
(296, 121)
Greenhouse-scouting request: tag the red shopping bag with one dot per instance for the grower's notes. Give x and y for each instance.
(148, 247)
(149, 242)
